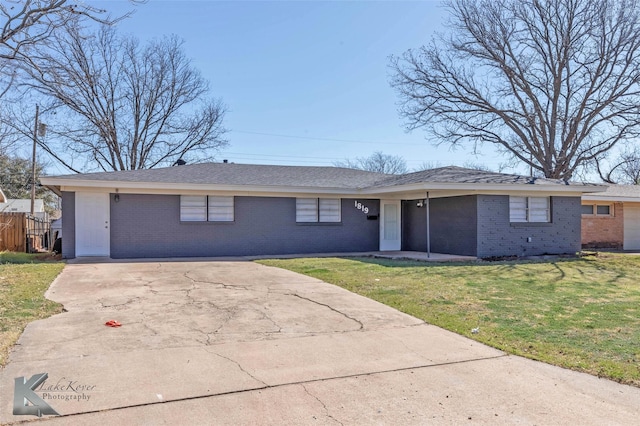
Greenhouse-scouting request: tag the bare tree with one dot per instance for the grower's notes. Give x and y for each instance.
(428, 165)
(553, 83)
(625, 169)
(8, 136)
(28, 23)
(24, 23)
(123, 106)
(476, 166)
(376, 162)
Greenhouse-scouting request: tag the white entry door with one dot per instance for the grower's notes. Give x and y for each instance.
(390, 225)
(631, 227)
(92, 224)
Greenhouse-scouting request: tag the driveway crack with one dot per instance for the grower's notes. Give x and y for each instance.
(104, 305)
(223, 285)
(361, 326)
(324, 406)
(242, 369)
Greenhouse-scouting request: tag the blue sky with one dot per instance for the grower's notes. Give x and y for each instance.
(305, 82)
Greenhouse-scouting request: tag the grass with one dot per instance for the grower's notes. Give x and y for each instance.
(582, 314)
(24, 278)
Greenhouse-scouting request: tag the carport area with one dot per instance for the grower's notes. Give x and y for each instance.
(235, 342)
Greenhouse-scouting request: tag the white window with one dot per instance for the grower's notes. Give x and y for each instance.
(193, 208)
(306, 209)
(518, 209)
(200, 208)
(329, 210)
(220, 209)
(529, 209)
(318, 210)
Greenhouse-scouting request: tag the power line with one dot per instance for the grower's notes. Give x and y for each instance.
(284, 156)
(276, 160)
(325, 139)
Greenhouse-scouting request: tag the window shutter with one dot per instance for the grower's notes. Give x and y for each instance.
(221, 209)
(306, 209)
(330, 210)
(193, 208)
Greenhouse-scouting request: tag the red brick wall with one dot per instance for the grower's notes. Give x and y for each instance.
(604, 231)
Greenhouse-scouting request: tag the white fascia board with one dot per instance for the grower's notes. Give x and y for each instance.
(610, 198)
(395, 192)
(473, 188)
(193, 189)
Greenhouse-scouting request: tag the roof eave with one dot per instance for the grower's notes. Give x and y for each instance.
(611, 198)
(482, 187)
(59, 185)
(62, 185)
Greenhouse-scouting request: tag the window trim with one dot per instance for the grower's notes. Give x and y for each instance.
(528, 210)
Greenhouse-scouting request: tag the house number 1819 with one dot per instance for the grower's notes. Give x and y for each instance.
(362, 207)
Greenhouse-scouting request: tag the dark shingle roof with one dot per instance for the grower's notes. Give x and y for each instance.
(242, 174)
(254, 175)
(621, 191)
(453, 174)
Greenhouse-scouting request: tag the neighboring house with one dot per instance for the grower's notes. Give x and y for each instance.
(220, 209)
(11, 205)
(611, 219)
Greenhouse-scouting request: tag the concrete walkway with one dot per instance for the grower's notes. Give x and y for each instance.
(222, 342)
(404, 255)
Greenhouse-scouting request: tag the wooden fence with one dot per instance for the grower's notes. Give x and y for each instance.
(22, 232)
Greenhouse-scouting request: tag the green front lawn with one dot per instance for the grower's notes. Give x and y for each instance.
(582, 314)
(24, 279)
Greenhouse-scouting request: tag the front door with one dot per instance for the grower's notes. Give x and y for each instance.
(631, 225)
(92, 224)
(390, 238)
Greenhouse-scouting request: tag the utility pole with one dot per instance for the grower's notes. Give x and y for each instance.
(33, 163)
(38, 129)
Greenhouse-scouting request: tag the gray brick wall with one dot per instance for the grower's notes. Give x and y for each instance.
(69, 225)
(149, 226)
(498, 237)
(453, 225)
(414, 226)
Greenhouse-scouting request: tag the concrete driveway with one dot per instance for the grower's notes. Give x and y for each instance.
(233, 342)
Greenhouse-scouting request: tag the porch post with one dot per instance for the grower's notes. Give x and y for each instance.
(428, 226)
